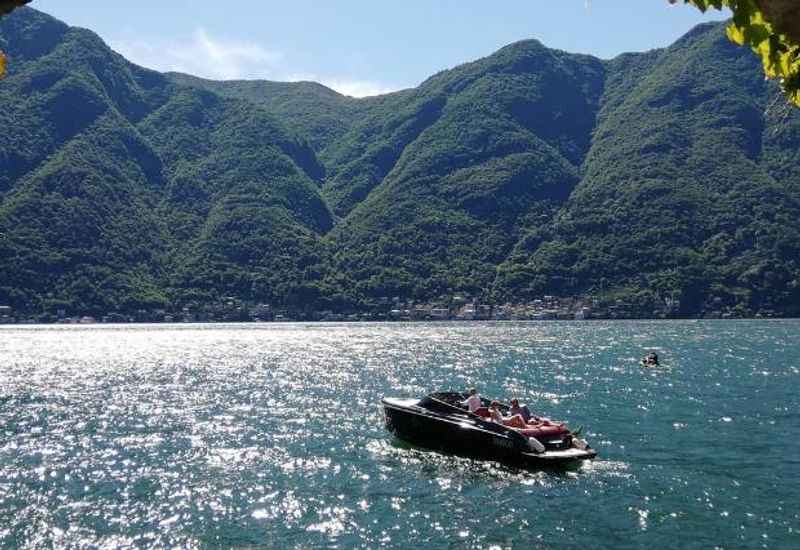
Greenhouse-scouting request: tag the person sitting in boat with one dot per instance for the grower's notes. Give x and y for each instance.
(473, 402)
(530, 419)
(538, 422)
(513, 421)
(523, 410)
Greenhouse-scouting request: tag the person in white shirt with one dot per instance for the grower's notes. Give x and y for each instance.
(473, 401)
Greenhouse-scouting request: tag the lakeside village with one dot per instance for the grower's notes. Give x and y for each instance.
(455, 308)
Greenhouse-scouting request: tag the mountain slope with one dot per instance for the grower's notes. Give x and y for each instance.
(114, 179)
(318, 114)
(473, 160)
(241, 194)
(654, 176)
(682, 195)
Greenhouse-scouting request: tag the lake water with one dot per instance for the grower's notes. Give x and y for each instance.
(271, 435)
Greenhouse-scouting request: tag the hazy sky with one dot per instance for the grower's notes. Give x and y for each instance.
(363, 47)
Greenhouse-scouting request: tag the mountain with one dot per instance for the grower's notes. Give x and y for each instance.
(315, 112)
(666, 175)
(435, 195)
(687, 191)
(121, 190)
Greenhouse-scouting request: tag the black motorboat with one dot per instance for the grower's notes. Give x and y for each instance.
(439, 421)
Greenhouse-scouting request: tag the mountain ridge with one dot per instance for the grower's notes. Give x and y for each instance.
(524, 173)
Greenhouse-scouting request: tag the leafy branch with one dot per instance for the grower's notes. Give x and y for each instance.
(6, 6)
(770, 28)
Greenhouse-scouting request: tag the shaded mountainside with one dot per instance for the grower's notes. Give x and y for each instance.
(529, 172)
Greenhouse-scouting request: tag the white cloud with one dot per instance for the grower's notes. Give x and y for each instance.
(219, 59)
(203, 55)
(359, 88)
(345, 86)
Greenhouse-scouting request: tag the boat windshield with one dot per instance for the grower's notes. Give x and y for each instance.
(442, 402)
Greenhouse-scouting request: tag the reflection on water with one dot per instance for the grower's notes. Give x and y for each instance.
(272, 435)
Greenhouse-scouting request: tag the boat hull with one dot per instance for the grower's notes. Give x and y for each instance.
(462, 435)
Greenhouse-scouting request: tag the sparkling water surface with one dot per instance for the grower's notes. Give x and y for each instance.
(271, 435)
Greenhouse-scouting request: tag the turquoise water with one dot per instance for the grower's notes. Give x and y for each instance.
(271, 435)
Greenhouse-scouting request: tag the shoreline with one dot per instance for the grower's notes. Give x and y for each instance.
(379, 322)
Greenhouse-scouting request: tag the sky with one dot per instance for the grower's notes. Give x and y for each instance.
(364, 47)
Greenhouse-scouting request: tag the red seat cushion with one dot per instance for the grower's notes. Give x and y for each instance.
(483, 411)
(544, 431)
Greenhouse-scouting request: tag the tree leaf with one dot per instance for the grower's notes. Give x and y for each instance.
(778, 52)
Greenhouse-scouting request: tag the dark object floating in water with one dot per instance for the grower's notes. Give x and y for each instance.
(650, 360)
(438, 421)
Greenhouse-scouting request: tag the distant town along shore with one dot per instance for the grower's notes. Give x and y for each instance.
(453, 308)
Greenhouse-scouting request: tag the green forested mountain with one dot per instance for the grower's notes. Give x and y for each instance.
(122, 190)
(313, 111)
(688, 189)
(434, 198)
(667, 174)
